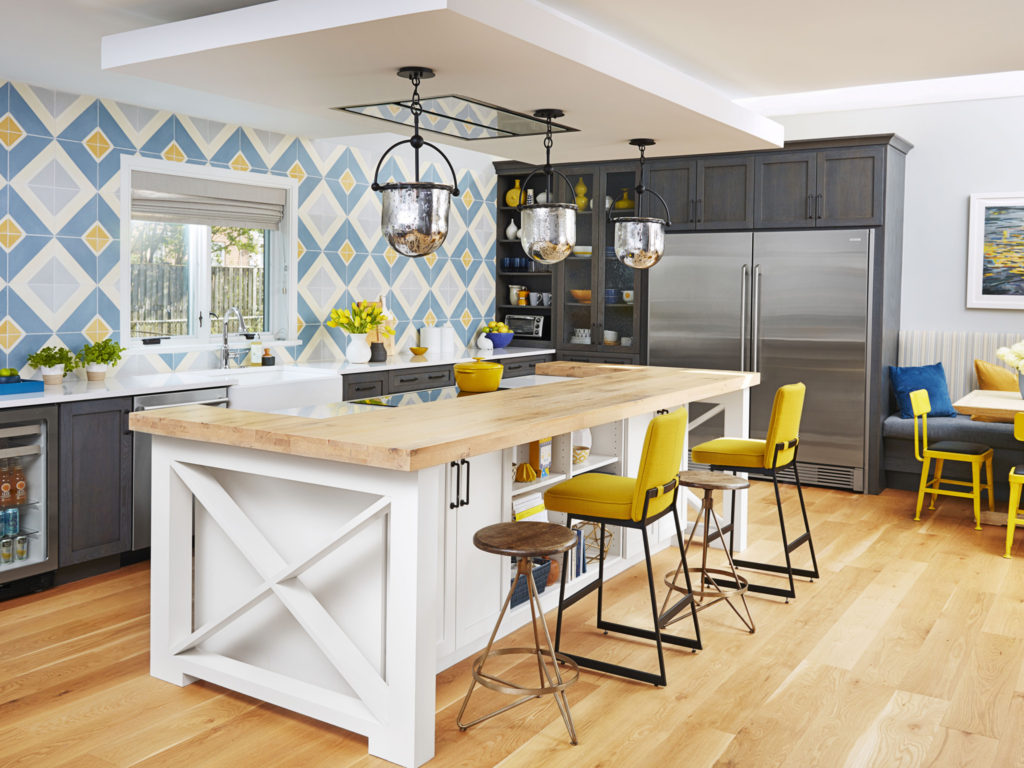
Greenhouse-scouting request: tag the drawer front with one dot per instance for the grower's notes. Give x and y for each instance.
(357, 388)
(425, 378)
(523, 366)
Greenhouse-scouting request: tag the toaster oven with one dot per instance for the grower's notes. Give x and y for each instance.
(526, 325)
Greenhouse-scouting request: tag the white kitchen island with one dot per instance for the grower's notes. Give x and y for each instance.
(325, 564)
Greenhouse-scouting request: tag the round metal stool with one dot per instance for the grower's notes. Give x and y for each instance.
(525, 541)
(707, 590)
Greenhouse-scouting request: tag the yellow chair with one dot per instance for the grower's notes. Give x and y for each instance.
(766, 457)
(974, 454)
(1016, 482)
(628, 503)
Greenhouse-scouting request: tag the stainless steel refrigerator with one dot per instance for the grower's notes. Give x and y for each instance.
(794, 306)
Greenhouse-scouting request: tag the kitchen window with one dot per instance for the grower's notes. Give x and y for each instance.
(196, 241)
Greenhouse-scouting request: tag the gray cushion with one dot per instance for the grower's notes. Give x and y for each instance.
(956, 446)
(959, 428)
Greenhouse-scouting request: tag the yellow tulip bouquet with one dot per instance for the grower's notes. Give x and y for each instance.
(362, 317)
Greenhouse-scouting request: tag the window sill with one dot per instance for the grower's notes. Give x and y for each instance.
(136, 347)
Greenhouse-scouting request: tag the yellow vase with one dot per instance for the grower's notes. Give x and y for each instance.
(514, 195)
(625, 201)
(581, 194)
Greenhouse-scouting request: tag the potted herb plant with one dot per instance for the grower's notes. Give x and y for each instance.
(359, 320)
(54, 363)
(96, 357)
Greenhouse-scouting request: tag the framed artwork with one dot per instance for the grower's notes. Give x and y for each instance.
(995, 252)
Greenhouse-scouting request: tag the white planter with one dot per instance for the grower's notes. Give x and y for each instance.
(358, 351)
(95, 371)
(52, 374)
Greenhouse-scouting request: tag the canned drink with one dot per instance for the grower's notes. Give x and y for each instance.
(12, 523)
(21, 547)
(6, 550)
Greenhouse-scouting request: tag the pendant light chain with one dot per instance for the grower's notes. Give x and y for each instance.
(417, 109)
(548, 143)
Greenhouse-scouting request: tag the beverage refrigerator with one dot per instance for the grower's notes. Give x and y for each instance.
(29, 435)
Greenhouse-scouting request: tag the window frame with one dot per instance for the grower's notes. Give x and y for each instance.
(281, 249)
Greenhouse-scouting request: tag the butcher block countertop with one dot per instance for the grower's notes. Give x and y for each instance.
(434, 433)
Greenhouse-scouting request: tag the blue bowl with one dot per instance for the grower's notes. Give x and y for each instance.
(499, 340)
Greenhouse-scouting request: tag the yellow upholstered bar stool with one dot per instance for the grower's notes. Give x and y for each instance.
(767, 457)
(975, 454)
(628, 503)
(525, 541)
(1016, 482)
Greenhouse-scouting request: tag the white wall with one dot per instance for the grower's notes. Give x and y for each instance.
(960, 148)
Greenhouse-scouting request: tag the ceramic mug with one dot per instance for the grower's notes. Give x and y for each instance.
(627, 341)
(611, 337)
(627, 296)
(534, 299)
(545, 299)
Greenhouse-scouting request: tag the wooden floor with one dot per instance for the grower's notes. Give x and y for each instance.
(908, 652)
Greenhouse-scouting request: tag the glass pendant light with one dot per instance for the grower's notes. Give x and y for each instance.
(414, 214)
(547, 230)
(640, 240)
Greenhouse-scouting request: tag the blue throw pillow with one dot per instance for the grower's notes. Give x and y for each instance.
(930, 377)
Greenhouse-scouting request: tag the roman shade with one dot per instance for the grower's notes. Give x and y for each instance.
(189, 200)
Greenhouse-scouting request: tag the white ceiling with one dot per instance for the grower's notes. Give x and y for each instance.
(704, 54)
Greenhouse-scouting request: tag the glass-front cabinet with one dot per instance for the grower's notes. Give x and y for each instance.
(596, 302)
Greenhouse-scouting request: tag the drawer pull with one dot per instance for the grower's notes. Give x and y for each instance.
(364, 387)
(407, 379)
(437, 376)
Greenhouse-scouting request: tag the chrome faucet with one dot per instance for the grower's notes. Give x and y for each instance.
(225, 354)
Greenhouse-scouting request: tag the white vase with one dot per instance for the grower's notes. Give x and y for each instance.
(52, 374)
(511, 230)
(358, 351)
(95, 371)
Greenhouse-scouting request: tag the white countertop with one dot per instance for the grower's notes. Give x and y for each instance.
(74, 388)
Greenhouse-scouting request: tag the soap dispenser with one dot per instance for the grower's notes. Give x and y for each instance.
(255, 351)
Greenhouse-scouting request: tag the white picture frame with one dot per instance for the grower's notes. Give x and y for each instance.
(996, 233)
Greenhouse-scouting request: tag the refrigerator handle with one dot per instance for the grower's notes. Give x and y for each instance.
(755, 311)
(744, 303)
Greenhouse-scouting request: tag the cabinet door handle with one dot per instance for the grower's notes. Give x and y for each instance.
(363, 387)
(689, 211)
(810, 213)
(432, 376)
(515, 367)
(755, 336)
(700, 210)
(465, 502)
(406, 379)
(819, 205)
(458, 485)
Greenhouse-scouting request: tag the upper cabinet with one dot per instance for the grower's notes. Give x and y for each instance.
(825, 188)
(705, 193)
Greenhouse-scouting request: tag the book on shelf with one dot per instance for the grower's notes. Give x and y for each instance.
(529, 505)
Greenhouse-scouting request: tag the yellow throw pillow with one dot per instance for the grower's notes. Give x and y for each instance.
(994, 377)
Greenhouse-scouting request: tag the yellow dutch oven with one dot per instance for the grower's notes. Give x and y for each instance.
(478, 376)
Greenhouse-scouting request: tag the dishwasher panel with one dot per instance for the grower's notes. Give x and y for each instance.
(142, 452)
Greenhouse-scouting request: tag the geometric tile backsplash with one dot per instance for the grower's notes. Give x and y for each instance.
(59, 225)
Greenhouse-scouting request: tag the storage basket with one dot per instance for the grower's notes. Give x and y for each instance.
(540, 580)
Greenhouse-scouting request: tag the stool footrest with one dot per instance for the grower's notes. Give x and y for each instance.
(647, 634)
(504, 686)
(801, 539)
(773, 568)
(759, 589)
(616, 669)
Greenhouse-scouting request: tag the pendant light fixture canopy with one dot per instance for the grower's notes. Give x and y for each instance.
(547, 230)
(640, 240)
(414, 214)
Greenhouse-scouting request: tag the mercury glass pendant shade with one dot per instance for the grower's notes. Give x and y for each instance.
(548, 231)
(639, 241)
(414, 216)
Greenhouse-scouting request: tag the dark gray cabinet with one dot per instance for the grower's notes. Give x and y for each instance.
(412, 379)
(705, 193)
(358, 386)
(95, 475)
(842, 187)
(522, 366)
